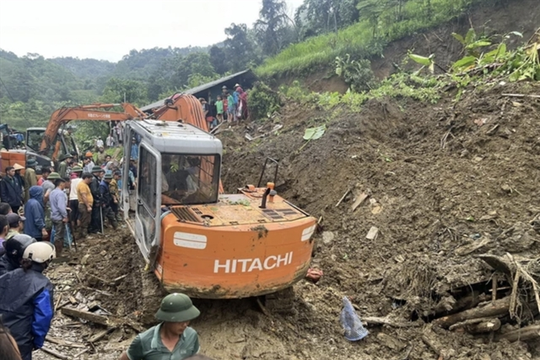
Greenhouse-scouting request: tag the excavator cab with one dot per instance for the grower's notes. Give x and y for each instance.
(178, 164)
(198, 241)
(64, 144)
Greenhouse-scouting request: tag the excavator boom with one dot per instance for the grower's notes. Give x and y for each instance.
(93, 112)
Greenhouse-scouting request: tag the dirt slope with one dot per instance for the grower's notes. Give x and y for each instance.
(442, 179)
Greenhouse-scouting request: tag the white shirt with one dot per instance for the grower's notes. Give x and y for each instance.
(99, 143)
(73, 188)
(88, 167)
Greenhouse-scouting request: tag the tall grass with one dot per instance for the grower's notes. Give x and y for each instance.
(359, 40)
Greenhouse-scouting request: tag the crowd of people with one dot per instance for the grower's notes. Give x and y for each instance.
(228, 107)
(39, 216)
(62, 205)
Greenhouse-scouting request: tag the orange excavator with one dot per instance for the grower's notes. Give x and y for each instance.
(91, 112)
(194, 238)
(47, 144)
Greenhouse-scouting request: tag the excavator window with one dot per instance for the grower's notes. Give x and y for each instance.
(34, 139)
(148, 179)
(189, 179)
(147, 194)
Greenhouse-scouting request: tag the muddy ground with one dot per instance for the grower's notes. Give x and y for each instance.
(447, 182)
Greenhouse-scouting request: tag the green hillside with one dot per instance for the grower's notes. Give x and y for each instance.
(380, 22)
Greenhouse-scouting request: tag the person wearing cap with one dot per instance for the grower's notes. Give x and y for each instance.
(172, 338)
(95, 224)
(16, 224)
(115, 193)
(14, 247)
(65, 164)
(59, 214)
(30, 178)
(34, 209)
(18, 168)
(10, 189)
(107, 200)
(86, 202)
(26, 298)
(76, 178)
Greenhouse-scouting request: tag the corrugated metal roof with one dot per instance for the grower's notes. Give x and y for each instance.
(197, 89)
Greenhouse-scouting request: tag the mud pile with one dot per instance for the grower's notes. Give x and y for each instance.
(444, 184)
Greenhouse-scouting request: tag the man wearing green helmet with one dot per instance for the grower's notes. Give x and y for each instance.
(172, 339)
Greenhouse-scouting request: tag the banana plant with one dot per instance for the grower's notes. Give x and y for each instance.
(426, 62)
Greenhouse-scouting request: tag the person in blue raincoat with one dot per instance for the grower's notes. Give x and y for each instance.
(34, 211)
(26, 299)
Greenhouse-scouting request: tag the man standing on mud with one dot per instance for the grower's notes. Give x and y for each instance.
(172, 338)
(59, 215)
(95, 223)
(86, 201)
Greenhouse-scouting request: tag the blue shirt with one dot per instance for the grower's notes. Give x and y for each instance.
(58, 201)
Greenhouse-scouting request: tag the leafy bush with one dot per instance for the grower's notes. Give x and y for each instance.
(263, 101)
(400, 85)
(356, 73)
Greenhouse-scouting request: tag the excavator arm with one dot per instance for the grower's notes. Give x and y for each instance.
(181, 107)
(91, 112)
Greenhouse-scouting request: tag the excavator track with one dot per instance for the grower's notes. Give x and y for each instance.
(151, 296)
(280, 302)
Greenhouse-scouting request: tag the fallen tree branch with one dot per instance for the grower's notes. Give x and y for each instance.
(343, 197)
(88, 316)
(62, 342)
(100, 335)
(467, 322)
(522, 95)
(54, 353)
(486, 326)
(524, 334)
(373, 320)
(494, 309)
(109, 321)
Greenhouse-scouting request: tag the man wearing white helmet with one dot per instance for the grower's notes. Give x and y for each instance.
(26, 298)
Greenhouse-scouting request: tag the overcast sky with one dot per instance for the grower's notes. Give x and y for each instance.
(109, 29)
